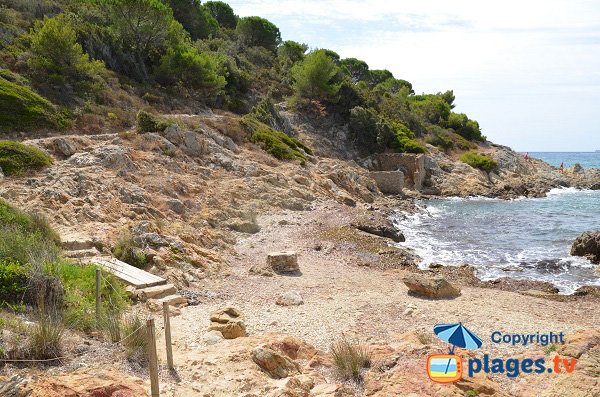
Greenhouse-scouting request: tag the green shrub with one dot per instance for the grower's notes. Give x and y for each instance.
(223, 13)
(195, 18)
(350, 360)
(274, 142)
(125, 250)
(148, 122)
(26, 238)
(446, 139)
(314, 77)
(13, 281)
(187, 68)
(79, 283)
(469, 129)
(57, 58)
(257, 31)
(265, 112)
(479, 161)
(404, 140)
(26, 221)
(23, 109)
(17, 158)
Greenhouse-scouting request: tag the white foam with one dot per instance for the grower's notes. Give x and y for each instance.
(565, 190)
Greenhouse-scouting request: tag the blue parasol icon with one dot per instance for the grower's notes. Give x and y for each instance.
(457, 335)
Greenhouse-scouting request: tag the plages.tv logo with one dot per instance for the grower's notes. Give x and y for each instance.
(448, 368)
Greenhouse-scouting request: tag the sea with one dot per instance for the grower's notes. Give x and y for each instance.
(527, 238)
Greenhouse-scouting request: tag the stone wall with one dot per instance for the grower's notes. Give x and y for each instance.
(412, 165)
(389, 182)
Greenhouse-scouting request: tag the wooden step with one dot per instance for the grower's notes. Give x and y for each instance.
(173, 300)
(129, 274)
(156, 292)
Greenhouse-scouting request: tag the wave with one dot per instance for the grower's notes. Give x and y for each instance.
(527, 239)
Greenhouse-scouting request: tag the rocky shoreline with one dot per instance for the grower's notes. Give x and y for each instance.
(207, 210)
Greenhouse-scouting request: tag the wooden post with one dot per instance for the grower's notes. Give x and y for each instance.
(152, 357)
(98, 296)
(168, 335)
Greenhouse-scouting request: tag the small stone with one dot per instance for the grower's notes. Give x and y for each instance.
(283, 262)
(213, 337)
(229, 322)
(291, 298)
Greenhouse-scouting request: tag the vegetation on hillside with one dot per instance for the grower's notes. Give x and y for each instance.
(102, 61)
(479, 161)
(58, 294)
(17, 158)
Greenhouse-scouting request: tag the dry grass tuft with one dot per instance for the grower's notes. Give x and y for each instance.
(350, 360)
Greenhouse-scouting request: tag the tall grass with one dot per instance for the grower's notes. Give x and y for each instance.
(350, 360)
(46, 335)
(135, 338)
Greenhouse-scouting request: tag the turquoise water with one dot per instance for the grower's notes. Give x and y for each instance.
(524, 238)
(586, 159)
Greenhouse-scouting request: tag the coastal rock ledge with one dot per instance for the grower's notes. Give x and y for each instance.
(588, 245)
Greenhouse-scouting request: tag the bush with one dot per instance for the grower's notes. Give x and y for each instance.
(446, 139)
(57, 58)
(479, 161)
(257, 31)
(265, 112)
(79, 283)
(313, 77)
(23, 109)
(28, 222)
(187, 68)
(404, 140)
(13, 281)
(431, 109)
(223, 13)
(125, 250)
(148, 122)
(274, 142)
(469, 129)
(142, 30)
(195, 18)
(26, 238)
(17, 158)
(350, 360)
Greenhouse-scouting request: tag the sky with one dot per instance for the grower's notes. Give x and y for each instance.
(527, 70)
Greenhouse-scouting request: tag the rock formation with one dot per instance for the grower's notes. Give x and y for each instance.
(588, 245)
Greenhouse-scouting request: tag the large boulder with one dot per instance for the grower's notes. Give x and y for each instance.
(430, 287)
(283, 262)
(277, 365)
(229, 322)
(588, 245)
